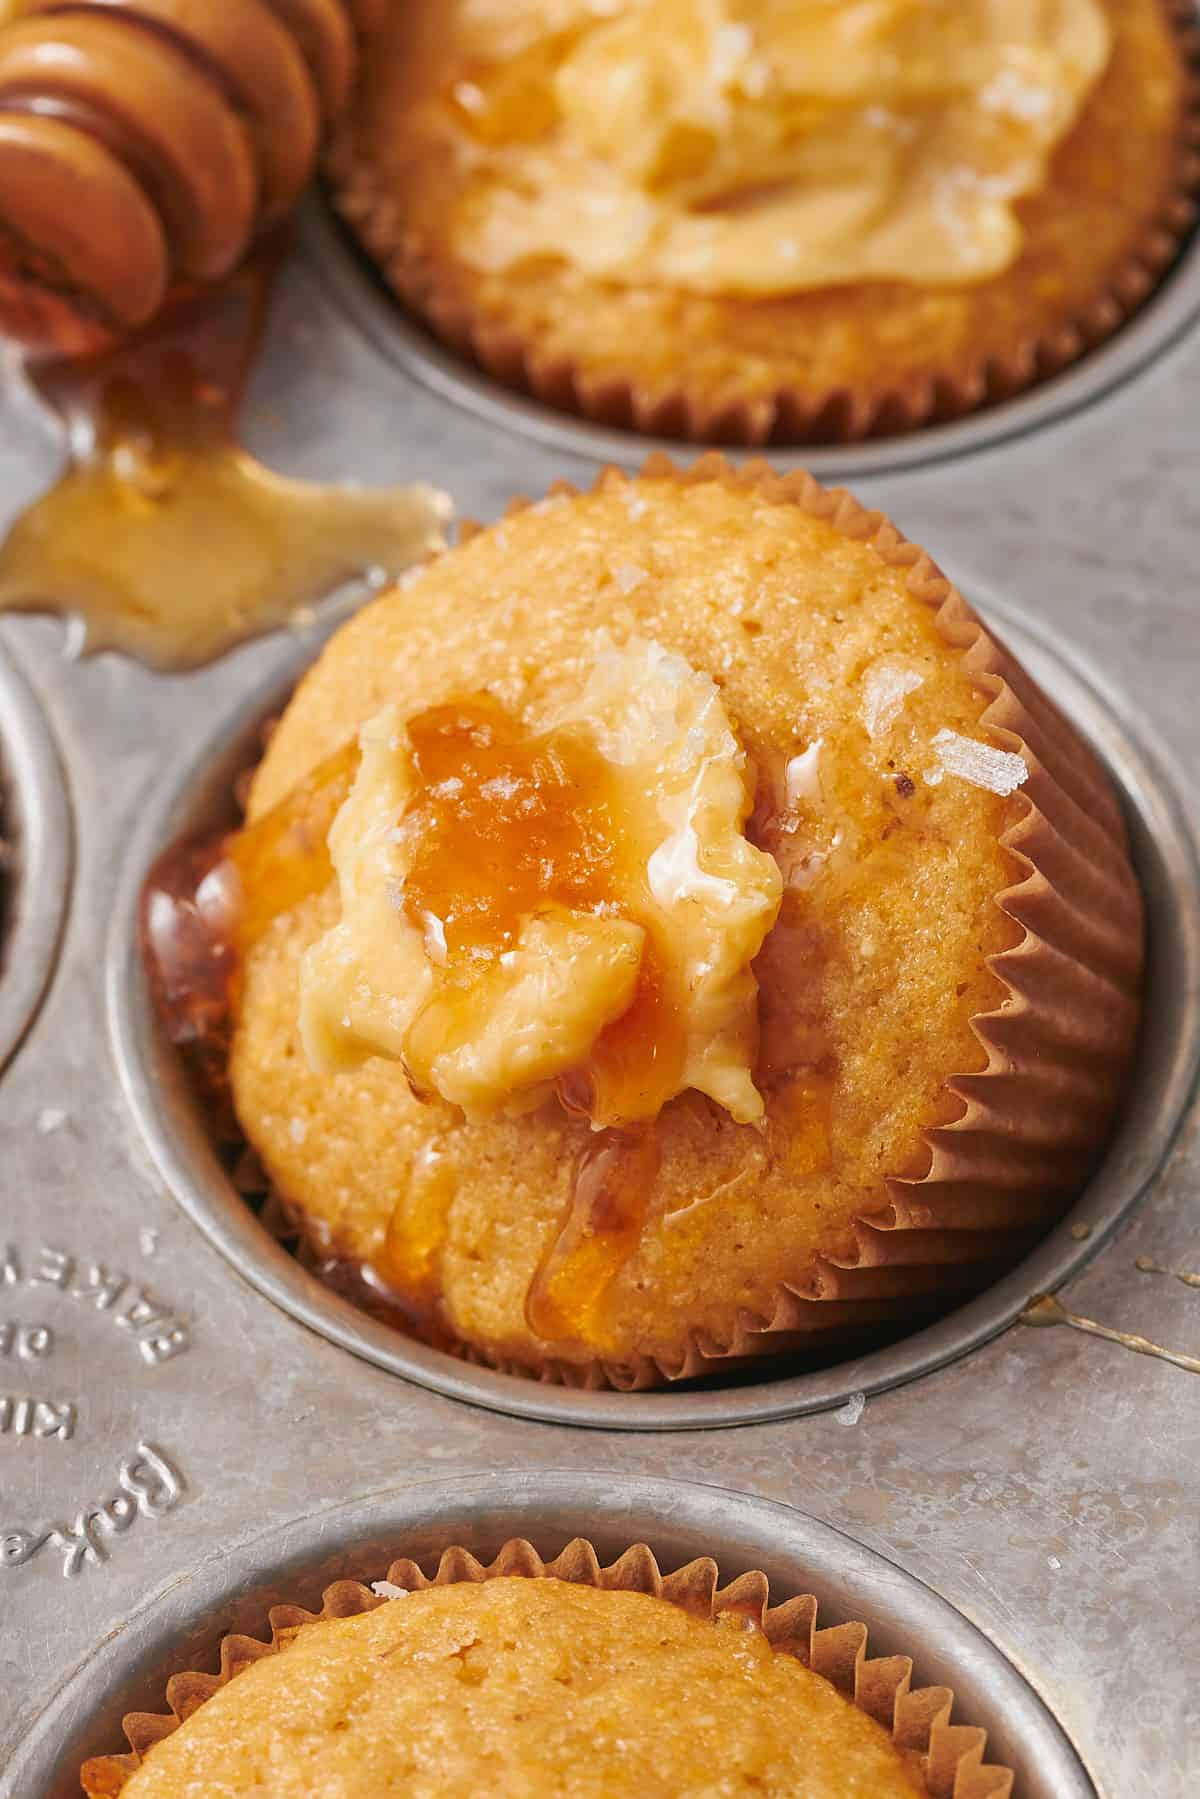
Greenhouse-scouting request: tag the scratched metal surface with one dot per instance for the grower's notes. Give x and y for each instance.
(1044, 1484)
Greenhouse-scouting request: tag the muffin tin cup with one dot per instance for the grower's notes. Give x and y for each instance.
(412, 348)
(198, 798)
(438, 291)
(37, 825)
(182, 1629)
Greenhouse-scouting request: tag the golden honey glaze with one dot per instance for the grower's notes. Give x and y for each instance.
(511, 823)
(162, 534)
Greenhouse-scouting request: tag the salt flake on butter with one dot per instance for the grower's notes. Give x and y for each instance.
(802, 777)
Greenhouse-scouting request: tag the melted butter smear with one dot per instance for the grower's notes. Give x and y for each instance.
(764, 146)
(162, 535)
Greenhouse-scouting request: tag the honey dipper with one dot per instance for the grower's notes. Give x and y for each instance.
(144, 144)
(148, 151)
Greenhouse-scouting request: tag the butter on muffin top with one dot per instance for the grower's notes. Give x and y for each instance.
(572, 903)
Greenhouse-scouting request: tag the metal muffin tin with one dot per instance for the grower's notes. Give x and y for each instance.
(195, 799)
(678, 1520)
(36, 828)
(163, 1423)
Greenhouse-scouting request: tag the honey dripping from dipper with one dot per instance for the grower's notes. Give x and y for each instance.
(163, 536)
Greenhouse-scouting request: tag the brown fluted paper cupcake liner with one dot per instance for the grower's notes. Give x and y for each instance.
(919, 1720)
(1030, 1124)
(839, 415)
(1022, 1132)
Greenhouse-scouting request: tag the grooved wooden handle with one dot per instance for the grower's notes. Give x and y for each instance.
(145, 143)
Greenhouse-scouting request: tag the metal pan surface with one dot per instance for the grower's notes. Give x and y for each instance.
(182, 1627)
(162, 1422)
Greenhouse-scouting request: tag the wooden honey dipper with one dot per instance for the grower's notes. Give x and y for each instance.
(144, 145)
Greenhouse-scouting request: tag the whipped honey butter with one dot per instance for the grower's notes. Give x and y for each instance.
(765, 146)
(573, 907)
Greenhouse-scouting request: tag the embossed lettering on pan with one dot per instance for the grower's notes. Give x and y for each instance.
(679, 1521)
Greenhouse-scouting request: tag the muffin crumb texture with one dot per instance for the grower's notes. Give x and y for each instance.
(528, 1687)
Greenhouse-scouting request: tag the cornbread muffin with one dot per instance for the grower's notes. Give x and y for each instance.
(884, 936)
(531, 1687)
(754, 221)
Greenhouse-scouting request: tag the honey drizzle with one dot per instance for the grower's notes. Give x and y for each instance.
(611, 1187)
(1044, 1309)
(162, 534)
(205, 903)
(507, 824)
(417, 1314)
(410, 1261)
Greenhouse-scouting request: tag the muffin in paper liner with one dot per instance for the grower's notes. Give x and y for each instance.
(994, 366)
(1012, 1141)
(951, 1756)
(1031, 1122)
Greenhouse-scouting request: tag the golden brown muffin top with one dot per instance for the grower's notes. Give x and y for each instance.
(528, 1687)
(1067, 243)
(856, 714)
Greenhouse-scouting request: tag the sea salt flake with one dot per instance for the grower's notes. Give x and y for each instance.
(886, 686)
(387, 1589)
(297, 1130)
(1052, 1561)
(732, 44)
(800, 875)
(628, 575)
(50, 1119)
(998, 771)
(148, 1241)
(434, 934)
(755, 77)
(802, 776)
(853, 1409)
(1009, 92)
